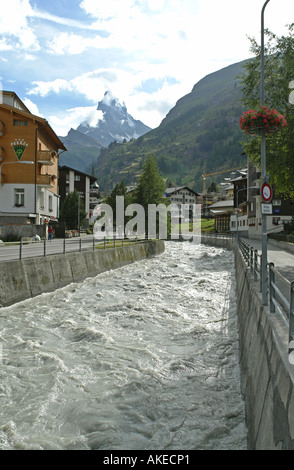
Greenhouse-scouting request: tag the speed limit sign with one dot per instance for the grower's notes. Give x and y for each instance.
(266, 192)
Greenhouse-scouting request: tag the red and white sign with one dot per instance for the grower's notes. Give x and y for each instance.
(266, 192)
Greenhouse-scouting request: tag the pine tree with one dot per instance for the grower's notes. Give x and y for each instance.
(70, 208)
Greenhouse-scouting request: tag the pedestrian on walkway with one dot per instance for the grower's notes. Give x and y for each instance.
(50, 230)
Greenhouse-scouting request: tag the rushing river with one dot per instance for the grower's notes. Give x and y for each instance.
(142, 357)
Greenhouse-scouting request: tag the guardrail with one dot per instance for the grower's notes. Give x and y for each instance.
(31, 249)
(280, 289)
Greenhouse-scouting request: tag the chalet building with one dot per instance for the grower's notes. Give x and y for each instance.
(185, 199)
(86, 185)
(247, 219)
(222, 211)
(29, 153)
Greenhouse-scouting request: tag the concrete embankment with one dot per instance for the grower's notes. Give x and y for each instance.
(267, 377)
(20, 280)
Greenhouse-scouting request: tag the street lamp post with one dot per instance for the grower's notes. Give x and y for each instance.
(263, 170)
(17, 163)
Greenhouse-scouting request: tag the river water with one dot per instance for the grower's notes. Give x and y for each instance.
(142, 357)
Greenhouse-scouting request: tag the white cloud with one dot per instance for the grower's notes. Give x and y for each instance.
(74, 44)
(32, 107)
(45, 88)
(123, 45)
(106, 10)
(14, 24)
(72, 117)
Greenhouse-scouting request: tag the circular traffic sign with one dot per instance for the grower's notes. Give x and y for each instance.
(266, 192)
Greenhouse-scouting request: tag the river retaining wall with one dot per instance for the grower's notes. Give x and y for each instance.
(20, 280)
(267, 377)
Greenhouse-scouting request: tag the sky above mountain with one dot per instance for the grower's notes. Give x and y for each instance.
(61, 56)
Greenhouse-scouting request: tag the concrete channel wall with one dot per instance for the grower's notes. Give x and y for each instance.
(267, 377)
(20, 280)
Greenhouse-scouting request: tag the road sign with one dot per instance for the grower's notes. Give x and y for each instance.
(267, 209)
(266, 192)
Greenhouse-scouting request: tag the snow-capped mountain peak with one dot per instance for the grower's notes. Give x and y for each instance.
(117, 124)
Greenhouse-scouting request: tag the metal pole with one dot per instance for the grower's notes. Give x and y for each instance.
(263, 171)
(255, 265)
(272, 281)
(79, 214)
(291, 318)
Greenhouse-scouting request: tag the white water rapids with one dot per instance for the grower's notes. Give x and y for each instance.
(142, 357)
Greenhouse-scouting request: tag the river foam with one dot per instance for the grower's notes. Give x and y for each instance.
(142, 357)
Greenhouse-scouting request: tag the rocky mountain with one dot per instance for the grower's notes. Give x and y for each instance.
(117, 124)
(200, 132)
(82, 151)
(84, 143)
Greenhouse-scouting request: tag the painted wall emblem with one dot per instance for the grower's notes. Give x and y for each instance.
(19, 146)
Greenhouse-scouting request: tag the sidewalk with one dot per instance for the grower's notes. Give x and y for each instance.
(282, 259)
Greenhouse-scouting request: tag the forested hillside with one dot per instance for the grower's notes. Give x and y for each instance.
(200, 132)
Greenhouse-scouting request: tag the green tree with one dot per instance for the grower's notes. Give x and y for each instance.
(213, 188)
(119, 190)
(150, 189)
(279, 72)
(70, 208)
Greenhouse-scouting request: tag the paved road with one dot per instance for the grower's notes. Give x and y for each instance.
(282, 259)
(54, 247)
(37, 249)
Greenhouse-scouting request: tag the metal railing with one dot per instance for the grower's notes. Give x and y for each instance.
(253, 260)
(280, 289)
(32, 249)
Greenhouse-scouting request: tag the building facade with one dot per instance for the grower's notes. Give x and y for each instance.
(29, 153)
(186, 200)
(86, 185)
(247, 219)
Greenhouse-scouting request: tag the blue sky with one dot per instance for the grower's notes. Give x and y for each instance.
(60, 56)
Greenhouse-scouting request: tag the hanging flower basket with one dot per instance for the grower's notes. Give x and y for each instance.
(262, 120)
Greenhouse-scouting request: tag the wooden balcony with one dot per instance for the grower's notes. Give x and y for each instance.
(2, 129)
(46, 181)
(45, 157)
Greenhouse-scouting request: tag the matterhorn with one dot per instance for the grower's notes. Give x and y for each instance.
(114, 123)
(117, 124)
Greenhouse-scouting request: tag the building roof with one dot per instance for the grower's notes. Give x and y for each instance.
(170, 191)
(24, 111)
(227, 203)
(65, 167)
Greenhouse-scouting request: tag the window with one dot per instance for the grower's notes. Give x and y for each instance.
(77, 178)
(19, 122)
(50, 203)
(19, 197)
(42, 200)
(277, 202)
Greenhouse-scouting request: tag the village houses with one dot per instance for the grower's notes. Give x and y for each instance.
(29, 154)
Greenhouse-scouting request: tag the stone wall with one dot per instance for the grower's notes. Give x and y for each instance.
(267, 377)
(16, 232)
(20, 280)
